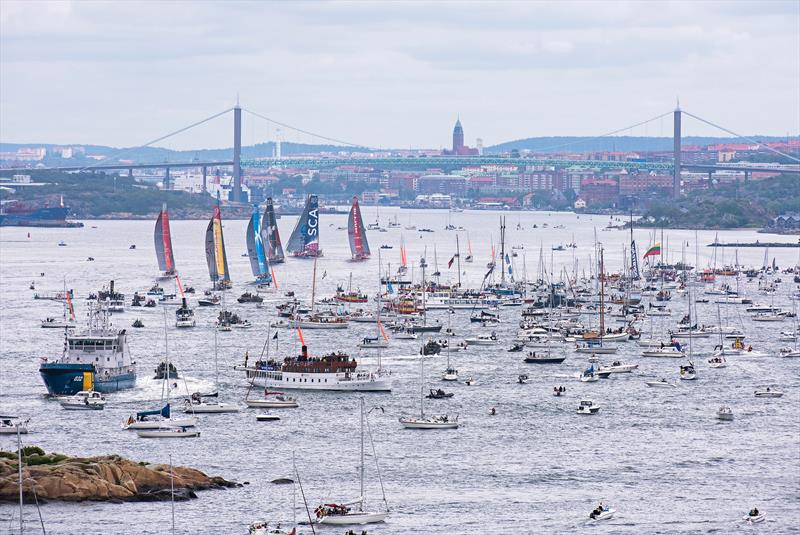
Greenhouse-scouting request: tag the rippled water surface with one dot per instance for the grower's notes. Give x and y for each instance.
(659, 456)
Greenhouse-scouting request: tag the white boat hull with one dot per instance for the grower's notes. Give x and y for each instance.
(167, 433)
(415, 423)
(353, 518)
(160, 424)
(211, 408)
(659, 384)
(270, 404)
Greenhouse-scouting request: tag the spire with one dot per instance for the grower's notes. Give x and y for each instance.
(677, 103)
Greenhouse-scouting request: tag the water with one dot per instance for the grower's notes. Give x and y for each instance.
(658, 456)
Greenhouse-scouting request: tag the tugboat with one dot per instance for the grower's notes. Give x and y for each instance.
(161, 371)
(96, 359)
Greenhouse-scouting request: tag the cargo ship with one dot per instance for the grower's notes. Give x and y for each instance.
(23, 214)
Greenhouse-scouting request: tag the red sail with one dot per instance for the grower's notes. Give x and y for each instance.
(167, 242)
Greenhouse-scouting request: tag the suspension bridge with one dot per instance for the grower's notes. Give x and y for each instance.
(671, 166)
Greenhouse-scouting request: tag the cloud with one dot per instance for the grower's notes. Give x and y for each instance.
(391, 73)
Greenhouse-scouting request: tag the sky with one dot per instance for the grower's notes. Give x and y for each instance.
(392, 74)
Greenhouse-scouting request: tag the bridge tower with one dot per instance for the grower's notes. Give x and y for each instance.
(237, 152)
(676, 151)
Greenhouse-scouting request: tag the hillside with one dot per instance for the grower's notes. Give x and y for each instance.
(750, 205)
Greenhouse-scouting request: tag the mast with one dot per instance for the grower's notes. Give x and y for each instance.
(314, 285)
(172, 487)
(503, 250)
(19, 466)
(602, 302)
(361, 466)
(458, 258)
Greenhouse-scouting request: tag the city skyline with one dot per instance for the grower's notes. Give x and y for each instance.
(348, 70)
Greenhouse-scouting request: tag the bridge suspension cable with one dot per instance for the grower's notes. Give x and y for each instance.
(123, 152)
(326, 138)
(607, 134)
(776, 151)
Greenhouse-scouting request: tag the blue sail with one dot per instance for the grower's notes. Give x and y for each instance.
(255, 249)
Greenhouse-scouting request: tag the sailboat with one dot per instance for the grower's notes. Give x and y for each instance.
(343, 514)
(424, 421)
(270, 236)
(201, 403)
(159, 423)
(594, 341)
(468, 259)
(255, 249)
(215, 251)
(450, 373)
(359, 247)
(163, 243)
(304, 241)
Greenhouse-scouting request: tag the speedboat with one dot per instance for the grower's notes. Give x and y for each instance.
(52, 323)
(273, 400)
(482, 340)
(717, 361)
(588, 406)
(688, 372)
(559, 391)
(725, 413)
(755, 518)
(470, 382)
(618, 367)
(439, 394)
(662, 383)
(602, 513)
(429, 422)
(373, 343)
(768, 393)
(169, 432)
(10, 424)
(522, 378)
(85, 400)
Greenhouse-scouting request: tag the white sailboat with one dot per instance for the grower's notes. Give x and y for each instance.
(424, 421)
(202, 403)
(345, 514)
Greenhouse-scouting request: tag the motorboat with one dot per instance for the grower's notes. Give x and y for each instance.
(543, 358)
(85, 400)
(471, 382)
(717, 361)
(516, 348)
(170, 432)
(482, 340)
(267, 418)
(588, 406)
(767, 316)
(273, 400)
(768, 393)
(687, 372)
(559, 391)
(661, 383)
(602, 512)
(522, 378)
(10, 425)
(618, 367)
(725, 413)
(754, 517)
(244, 324)
(210, 301)
(53, 323)
(789, 352)
(161, 371)
(438, 393)
(589, 375)
(263, 528)
(667, 351)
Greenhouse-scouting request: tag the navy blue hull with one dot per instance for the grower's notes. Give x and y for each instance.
(68, 379)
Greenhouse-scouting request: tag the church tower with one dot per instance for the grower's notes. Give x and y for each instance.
(458, 138)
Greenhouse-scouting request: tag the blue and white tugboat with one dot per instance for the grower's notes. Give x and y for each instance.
(96, 359)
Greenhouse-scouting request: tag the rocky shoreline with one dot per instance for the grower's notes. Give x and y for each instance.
(111, 478)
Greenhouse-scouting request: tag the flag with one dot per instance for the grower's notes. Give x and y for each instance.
(450, 263)
(655, 250)
(275, 336)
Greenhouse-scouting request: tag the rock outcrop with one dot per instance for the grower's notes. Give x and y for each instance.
(108, 478)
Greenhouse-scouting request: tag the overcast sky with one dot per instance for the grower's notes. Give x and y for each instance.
(393, 74)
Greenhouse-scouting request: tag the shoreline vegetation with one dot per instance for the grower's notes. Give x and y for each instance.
(750, 205)
(111, 478)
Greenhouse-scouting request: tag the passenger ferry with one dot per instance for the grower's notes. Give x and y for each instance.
(97, 359)
(336, 371)
(445, 300)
